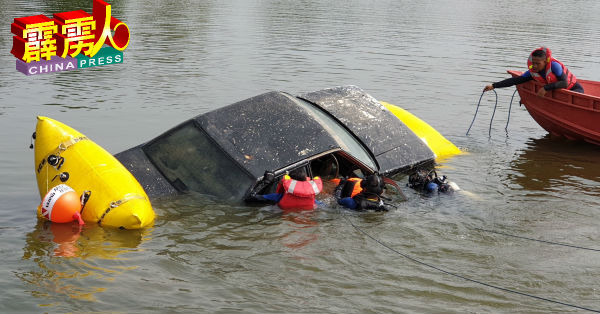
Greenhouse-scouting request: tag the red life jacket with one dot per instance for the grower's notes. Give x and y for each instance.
(299, 194)
(550, 77)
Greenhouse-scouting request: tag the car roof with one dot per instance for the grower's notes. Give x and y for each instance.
(267, 132)
(395, 146)
(276, 130)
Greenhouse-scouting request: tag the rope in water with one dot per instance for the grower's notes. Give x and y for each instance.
(509, 107)
(493, 113)
(461, 276)
(477, 109)
(538, 240)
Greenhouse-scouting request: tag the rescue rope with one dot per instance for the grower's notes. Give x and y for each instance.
(537, 240)
(47, 179)
(118, 203)
(461, 276)
(477, 109)
(493, 113)
(66, 144)
(509, 107)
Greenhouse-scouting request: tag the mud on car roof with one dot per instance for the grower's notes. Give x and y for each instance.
(225, 152)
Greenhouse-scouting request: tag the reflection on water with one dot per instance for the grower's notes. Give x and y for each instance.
(205, 255)
(302, 229)
(551, 163)
(87, 241)
(67, 107)
(203, 213)
(66, 254)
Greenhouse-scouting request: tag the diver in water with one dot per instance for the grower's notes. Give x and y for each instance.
(369, 197)
(295, 192)
(427, 181)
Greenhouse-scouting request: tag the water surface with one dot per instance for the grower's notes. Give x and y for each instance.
(430, 57)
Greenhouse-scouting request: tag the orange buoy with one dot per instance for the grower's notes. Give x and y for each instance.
(61, 204)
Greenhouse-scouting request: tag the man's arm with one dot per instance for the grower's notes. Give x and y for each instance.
(348, 202)
(513, 80)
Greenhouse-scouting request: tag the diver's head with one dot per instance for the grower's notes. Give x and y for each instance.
(298, 174)
(372, 183)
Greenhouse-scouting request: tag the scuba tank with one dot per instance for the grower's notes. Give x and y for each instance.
(429, 182)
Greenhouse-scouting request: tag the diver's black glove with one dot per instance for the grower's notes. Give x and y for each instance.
(268, 177)
(343, 181)
(382, 209)
(337, 193)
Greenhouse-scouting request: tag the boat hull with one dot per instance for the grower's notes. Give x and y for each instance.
(562, 112)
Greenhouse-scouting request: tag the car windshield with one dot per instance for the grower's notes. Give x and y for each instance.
(342, 136)
(190, 160)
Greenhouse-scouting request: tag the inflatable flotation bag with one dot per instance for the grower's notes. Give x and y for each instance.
(438, 144)
(114, 196)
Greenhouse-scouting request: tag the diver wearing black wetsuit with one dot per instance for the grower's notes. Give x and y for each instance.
(368, 199)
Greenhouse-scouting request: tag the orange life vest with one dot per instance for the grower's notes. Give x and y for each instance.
(549, 77)
(299, 194)
(355, 188)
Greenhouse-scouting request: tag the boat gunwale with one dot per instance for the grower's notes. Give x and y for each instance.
(594, 100)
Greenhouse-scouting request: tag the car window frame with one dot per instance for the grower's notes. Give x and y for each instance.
(195, 124)
(370, 155)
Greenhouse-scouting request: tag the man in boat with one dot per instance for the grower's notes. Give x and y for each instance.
(544, 69)
(369, 197)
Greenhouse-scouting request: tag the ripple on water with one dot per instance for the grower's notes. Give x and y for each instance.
(204, 255)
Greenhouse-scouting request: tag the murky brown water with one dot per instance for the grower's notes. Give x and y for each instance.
(430, 57)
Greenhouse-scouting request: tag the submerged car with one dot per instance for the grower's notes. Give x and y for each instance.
(246, 147)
